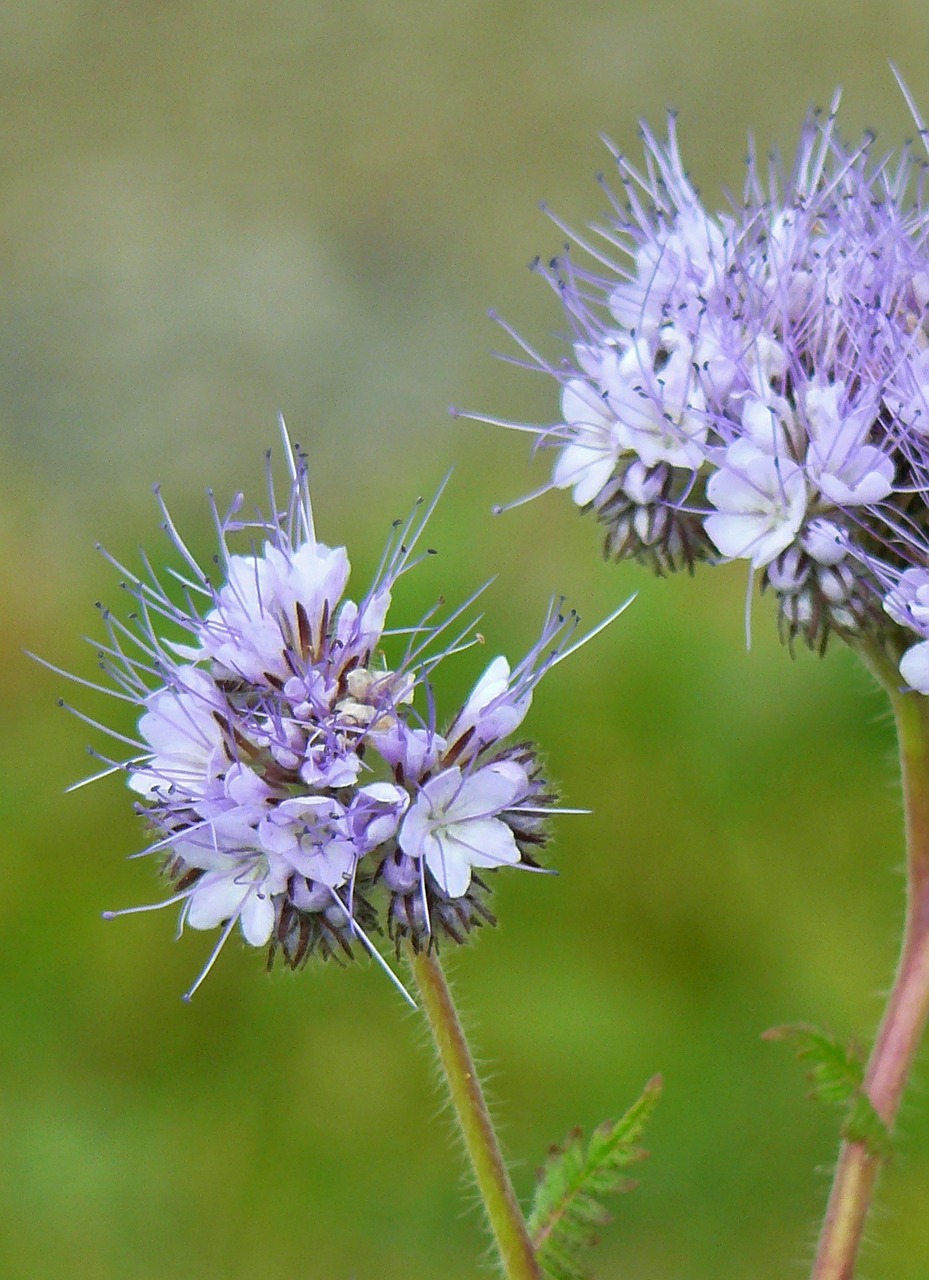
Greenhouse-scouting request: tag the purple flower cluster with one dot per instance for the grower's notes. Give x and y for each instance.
(754, 384)
(290, 780)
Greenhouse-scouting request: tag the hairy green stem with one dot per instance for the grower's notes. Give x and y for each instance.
(493, 1181)
(908, 1006)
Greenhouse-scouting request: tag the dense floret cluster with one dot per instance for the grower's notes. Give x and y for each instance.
(754, 384)
(293, 777)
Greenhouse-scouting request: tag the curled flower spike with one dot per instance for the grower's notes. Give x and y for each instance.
(288, 762)
(753, 384)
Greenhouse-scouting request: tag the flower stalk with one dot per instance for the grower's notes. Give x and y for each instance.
(506, 1220)
(907, 1009)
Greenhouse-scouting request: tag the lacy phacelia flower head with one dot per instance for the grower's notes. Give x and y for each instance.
(292, 774)
(754, 384)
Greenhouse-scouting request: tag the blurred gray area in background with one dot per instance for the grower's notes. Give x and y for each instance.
(212, 212)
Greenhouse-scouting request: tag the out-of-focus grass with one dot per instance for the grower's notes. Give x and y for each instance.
(210, 216)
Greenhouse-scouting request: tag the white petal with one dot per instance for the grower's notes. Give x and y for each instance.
(216, 897)
(491, 684)
(415, 829)
(581, 406)
(257, 918)
(585, 467)
(385, 793)
(486, 842)
(451, 870)
(914, 667)
(331, 864)
(488, 791)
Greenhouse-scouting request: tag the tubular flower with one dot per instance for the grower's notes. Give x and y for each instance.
(291, 784)
(753, 384)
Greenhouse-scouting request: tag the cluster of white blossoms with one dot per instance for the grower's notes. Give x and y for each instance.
(754, 384)
(293, 777)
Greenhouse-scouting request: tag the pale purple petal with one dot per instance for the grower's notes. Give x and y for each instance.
(761, 501)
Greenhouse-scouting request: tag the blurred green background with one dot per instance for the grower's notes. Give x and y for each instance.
(212, 212)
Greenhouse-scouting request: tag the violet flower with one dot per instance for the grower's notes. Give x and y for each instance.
(753, 384)
(291, 774)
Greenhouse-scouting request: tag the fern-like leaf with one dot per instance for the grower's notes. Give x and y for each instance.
(836, 1075)
(567, 1212)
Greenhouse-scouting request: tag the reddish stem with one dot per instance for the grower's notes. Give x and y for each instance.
(907, 1008)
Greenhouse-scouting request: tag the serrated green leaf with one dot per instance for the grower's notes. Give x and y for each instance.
(567, 1211)
(836, 1074)
(863, 1124)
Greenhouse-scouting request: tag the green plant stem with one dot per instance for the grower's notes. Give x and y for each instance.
(503, 1212)
(907, 1008)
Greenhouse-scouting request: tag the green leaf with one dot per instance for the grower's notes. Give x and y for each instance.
(863, 1124)
(567, 1212)
(836, 1075)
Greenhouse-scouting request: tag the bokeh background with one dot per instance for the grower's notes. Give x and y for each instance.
(214, 212)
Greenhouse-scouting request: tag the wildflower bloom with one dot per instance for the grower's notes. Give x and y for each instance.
(753, 384)
(907, 602)
(293, 778)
